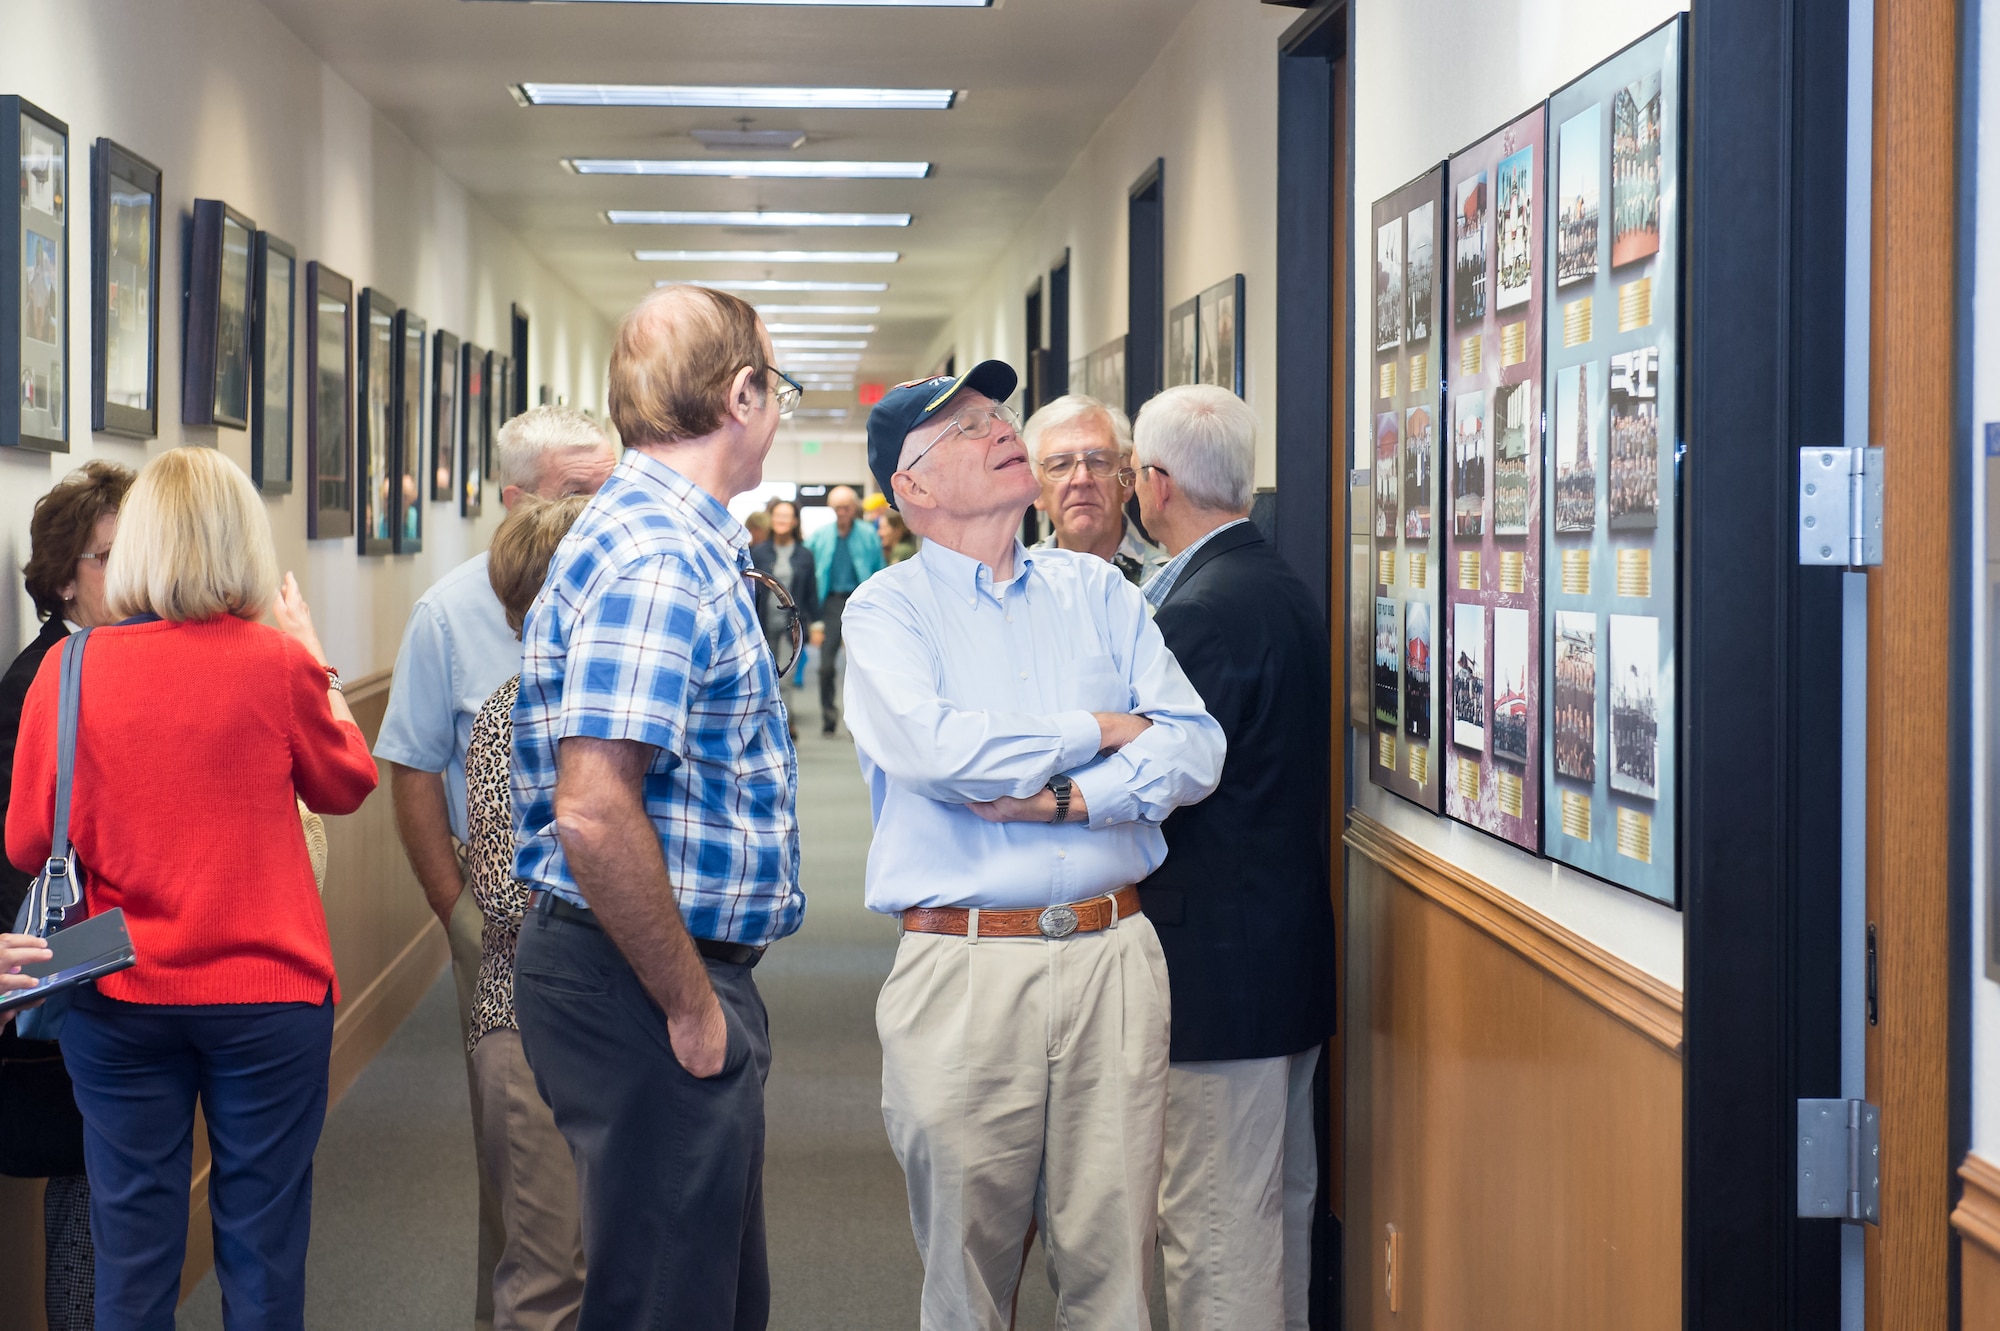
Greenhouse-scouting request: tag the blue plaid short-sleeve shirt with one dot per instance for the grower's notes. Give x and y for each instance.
(646, 630)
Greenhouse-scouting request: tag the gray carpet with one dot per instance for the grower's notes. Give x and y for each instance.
(394, 1201)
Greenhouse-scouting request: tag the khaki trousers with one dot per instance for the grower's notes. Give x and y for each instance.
(1025, 1074)
(538, 1281)
(463, 934)
(1236, 1194)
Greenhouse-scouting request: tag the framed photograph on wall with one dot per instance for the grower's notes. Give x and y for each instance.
(1107, 374)
(274, 301)
(215, 357)
(1611, 385)
(1493, 779)
(1407, 410)
(412, 409)
(330, 405)
(124, 293)
(444, 413)
(517, 364)
(34, 281)
(496, 402)
(1181, 333)
(472, 447)
(1219, 342)
(376, 409)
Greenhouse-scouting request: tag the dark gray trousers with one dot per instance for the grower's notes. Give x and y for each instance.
(670, 1167)
(829, 656)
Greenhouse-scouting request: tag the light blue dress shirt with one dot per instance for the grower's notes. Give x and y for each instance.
(456, 650)
(960, 691)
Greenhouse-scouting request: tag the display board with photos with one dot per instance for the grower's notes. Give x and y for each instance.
(215, 353)
(1492, 479)
(412, 407)
(34, 281)
(1612, 386)
(330, 403)
(1407, 233)
(376, 410)
(273, 302)
(124, 293)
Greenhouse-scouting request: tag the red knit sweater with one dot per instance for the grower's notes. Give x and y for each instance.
(192, 739)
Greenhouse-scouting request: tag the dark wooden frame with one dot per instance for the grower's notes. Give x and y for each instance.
(13, 433)
(1236, 382)
(374, 303)
(474, 416)
(1058, 339)
(444, 414)
(324, 519)
(1146, 287)
(413, 408)
(264, 451)
(201, 343)
(517, 363)
(108, 158)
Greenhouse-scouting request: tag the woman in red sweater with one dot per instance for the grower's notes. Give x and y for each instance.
(197, 726)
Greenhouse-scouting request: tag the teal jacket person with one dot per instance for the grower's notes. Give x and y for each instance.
(862, 546)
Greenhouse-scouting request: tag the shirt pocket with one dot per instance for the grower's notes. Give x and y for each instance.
(1095, 684)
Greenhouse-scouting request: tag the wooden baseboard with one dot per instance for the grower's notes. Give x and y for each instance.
(1977, 1220)
(1644, 1002)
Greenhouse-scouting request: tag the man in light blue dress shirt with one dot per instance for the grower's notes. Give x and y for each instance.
(1024, 732)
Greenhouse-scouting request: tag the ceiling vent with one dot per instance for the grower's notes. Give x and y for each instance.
(736, 140)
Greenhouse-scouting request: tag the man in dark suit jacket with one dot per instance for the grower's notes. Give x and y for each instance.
(1242, 903)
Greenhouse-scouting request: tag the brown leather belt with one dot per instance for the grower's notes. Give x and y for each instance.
(1078, 917)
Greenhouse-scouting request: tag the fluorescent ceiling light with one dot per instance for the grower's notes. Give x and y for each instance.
(766, 256)
(819, 328)
(734, 97)
(657, 166)
(820, 309)
(822, 413)
(820, 343)
(824, 358)
(658, 217)
(845, 4)
(774, 284)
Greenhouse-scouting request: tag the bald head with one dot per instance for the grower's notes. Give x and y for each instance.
(674, 361)
(845, 504)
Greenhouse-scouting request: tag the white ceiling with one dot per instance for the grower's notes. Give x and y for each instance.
(1037, 78)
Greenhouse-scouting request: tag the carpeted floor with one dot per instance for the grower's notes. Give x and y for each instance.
(394, 1201)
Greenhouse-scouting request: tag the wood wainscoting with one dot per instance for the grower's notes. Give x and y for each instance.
(1977, 1220)
(1514, 1110)
(388, 948)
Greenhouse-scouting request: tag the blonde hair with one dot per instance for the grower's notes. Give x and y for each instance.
(517, 563)
(193, 542)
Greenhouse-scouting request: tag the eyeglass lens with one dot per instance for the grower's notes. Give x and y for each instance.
(1097, 464)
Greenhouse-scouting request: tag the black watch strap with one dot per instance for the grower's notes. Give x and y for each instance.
(1059, 785)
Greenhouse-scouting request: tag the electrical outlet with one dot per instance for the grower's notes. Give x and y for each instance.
(1392, 1267)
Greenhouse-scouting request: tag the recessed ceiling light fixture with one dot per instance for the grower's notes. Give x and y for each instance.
(734, 97)
(818, 328)
(820, 309)
(776, 168)
(819, 344)
(662, 217)
(766, 256)
(823, 357)
(774, 284)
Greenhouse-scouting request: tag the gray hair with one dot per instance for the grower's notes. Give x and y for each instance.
(1074, 409)
(523, 442)
(1205, 438)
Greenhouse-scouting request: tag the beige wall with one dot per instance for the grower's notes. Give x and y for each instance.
(231, 105)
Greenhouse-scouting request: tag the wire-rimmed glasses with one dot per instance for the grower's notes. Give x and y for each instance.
(1098, 463)
(758, 578)
(974, 423)
(789, 392)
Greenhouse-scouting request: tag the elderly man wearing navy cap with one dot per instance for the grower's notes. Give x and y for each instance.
(1024, 732)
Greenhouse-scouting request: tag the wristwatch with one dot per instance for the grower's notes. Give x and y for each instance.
(333, 679)
(1059, 786)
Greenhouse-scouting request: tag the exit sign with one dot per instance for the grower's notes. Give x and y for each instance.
(809, 447)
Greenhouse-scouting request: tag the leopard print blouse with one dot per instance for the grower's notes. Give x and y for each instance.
(501, 897)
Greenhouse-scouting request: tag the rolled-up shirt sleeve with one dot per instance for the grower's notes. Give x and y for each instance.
(945, 752)
(1175, 761)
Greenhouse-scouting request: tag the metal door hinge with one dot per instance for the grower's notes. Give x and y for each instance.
(1840, 1161)
(1840, 507)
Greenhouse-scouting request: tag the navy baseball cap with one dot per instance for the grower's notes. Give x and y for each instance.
(906, 406)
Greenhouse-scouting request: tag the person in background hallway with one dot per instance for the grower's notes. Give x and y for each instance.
(758, 524)
(655, 797)
(785, 557)
(995, 691)
(69, 540)
(456, 650)
(1249, 938)
(897, 543)
(198, 725)
(538, 1281)
(844, 554)
(1083, 450)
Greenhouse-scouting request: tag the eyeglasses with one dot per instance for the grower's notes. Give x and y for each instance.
(789, 392)
(791, 609)
(973, 423)
(1098, 464)
(1162, 470)
(103, 557)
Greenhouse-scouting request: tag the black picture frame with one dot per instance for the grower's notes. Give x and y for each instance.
(1219, 335)
(472, 415)
(34, 281)
(517, 363)
(330, 422)
(125, 199)
(496, 402)
(444, 414)
(407, 498)
(375, 412)
(215, 349)
(274, 377)
(1182, 332)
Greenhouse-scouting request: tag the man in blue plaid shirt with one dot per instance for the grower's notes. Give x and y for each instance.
(654, 793)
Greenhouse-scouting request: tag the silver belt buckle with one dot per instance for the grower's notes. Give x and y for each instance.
(1057, 922)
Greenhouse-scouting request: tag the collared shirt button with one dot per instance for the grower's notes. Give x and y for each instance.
(1024, 674)
(1062, 854)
